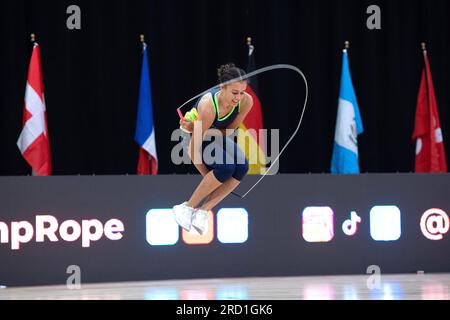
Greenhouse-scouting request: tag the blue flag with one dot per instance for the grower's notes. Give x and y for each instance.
(145, 132)
(348, 125)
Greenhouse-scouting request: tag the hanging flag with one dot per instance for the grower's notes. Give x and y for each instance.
(145, 131)
(430, 153)
(34, 140)
(348, 125)
(249, 135)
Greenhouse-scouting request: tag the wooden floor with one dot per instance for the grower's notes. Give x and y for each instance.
(356, 287)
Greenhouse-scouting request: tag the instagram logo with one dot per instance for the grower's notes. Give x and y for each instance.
(350, 226)
(317, 224)
(434, 224)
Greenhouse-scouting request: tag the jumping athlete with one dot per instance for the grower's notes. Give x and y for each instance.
(217, 114)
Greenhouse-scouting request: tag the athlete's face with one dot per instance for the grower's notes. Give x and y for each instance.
(234, 92)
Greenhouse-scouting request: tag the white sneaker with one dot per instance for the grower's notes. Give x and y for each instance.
(183, 215)
(200, 222)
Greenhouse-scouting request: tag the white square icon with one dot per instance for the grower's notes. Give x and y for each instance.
(161, 228)
(385, 223)
(232, 225)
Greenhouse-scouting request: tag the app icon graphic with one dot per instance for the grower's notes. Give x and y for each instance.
(193, 237)
(317, 224)
(161, 228)
(350, 226)
(385, 223)
(232, 225)
(434, 223)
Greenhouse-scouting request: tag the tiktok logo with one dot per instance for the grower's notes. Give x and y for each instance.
(350, 226)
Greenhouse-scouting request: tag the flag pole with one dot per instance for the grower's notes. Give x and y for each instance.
(33, 41)
(424, 47)
(142, 40)
(250, 46)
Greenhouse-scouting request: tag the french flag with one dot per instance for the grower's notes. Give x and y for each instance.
(145, 132)
(33, 142)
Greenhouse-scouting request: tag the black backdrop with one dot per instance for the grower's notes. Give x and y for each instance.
(91, 75)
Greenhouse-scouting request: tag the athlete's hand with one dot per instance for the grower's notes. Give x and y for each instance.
(187, 125)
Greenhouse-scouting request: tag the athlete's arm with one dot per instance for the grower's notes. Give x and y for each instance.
(206, 116)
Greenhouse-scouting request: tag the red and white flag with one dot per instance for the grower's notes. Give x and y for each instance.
(430, 153)
(34, 140)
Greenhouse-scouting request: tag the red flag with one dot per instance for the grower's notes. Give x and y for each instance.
(33, 141)
(430, 153)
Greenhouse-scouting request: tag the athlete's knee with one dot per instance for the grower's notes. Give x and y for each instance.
(224, 172)
(240, 171)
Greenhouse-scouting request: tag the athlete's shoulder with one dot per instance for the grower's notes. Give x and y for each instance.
(205, 100)
(205, 106)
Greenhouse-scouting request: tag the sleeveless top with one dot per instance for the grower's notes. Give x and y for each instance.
(221, 123)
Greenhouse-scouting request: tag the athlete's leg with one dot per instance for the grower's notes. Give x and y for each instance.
(222, 168)
(200, 217)
(208, 184)
(220, 193)
(241, 169)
